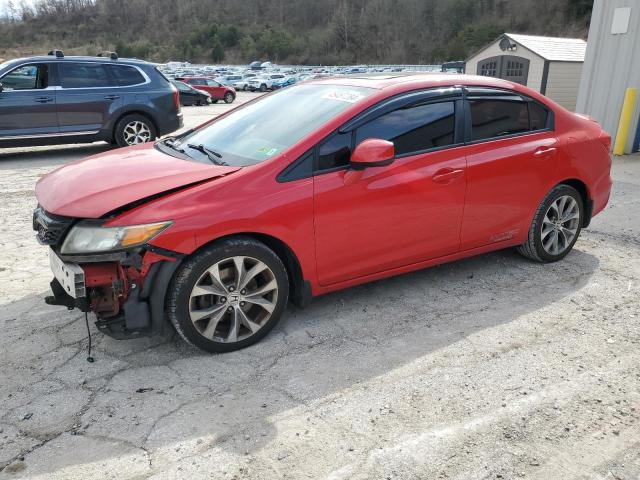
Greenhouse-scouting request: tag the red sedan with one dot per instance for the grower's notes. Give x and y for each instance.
(217, 90)
(316, 188)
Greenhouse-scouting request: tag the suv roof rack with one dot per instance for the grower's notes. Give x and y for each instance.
(111, 55)
(56, 53)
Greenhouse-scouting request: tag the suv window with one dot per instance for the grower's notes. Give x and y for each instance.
(83, 75)
(496, 118)
(335, 152)
(27, 77)
(126, 75)
(414, 128)
(211, 83)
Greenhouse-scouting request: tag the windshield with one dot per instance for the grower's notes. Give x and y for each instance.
(274, 123)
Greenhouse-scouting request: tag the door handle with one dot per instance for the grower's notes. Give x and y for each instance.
(44, 99)
(445, 175)
(112, 97)
(544, 151)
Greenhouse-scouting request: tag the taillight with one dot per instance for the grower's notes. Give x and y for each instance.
(605, 139)
(176, 98)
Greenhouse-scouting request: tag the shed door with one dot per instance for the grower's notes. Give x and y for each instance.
(509, 67)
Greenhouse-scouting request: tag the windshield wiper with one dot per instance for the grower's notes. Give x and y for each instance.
(213, 155)
(171, 143)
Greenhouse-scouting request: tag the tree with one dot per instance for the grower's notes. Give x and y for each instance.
(217, 50)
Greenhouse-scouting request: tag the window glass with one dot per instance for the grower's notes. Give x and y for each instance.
(183, 87)
(414, 128)
(83, 75)
(211, 83)
(495, 118)
(126, 75)
(538, 116)
(26, 77)
(335, 152)
(259, 130)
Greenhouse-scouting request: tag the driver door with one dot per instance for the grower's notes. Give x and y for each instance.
(28, 103)
(388, 217)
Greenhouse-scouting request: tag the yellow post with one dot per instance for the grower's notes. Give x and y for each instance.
(625, 121)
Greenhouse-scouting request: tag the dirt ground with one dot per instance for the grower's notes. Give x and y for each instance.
(491, 367)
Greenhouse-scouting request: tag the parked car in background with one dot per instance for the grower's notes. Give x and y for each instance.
(212, 87)
(264, 82)
(316, 188)
(282, 82)
(190, 95)
(57, 99)
(242, 84)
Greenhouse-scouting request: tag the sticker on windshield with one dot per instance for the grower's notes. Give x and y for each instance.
(267, 151)
(349, 96)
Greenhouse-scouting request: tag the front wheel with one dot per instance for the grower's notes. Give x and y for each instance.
(556, 225)
(228, 98)
(263, 88)
(133, 130)
(229, 295)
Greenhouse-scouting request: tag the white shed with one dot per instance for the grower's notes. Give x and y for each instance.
(550, 65)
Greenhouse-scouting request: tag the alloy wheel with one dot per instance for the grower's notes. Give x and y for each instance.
(136, 132)
(233, 299)
(560, 225)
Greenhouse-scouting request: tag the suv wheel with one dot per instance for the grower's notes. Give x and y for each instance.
(228, 98)
(263, 88)
(134, 129)
(555, 227)
(229, 295)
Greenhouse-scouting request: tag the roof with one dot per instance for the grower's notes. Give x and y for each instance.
(52, 58)
(552, 48)
(421, 80)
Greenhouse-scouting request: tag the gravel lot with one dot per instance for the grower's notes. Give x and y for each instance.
(491, 367)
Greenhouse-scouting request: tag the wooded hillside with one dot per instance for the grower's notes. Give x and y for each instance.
(284, 31)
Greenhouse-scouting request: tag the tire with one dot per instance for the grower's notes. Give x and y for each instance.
(134, 129)
(195, 299)
(245, 88)
(229, 98)
(263, 88)
(546, 216)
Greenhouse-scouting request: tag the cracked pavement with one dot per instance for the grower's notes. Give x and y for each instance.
(491, 367)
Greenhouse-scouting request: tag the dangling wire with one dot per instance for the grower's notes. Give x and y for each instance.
(86, 321)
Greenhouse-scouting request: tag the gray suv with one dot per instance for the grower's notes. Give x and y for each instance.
(55, 99)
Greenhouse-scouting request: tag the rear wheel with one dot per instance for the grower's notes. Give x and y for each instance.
(134, 129)
(229, 295)
(556, 226)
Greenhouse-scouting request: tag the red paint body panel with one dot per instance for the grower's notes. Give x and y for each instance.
(96, 186)
(349, 227)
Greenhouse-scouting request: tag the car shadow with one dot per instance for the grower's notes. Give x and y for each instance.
(229, 402)
(27, 157)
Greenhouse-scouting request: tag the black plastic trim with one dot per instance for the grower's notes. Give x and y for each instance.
(545, 77)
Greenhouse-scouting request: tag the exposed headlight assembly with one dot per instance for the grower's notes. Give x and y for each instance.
(89, 237)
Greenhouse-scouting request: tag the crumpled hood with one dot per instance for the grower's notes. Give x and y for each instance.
(95, 186)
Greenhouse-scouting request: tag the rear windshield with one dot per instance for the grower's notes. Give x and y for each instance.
(270, 125)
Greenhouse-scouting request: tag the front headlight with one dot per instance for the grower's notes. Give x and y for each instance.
(87, 237)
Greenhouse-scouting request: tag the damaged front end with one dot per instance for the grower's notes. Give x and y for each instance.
(125, 288)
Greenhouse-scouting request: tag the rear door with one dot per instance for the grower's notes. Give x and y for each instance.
(510, 155)
(87, 96)
(28, 102)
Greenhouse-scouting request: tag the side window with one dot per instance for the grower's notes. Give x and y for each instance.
(27, 77)
(211, 83)
(84, 75)
(335, 152)
(126, 75)
(414, 128)
(539, 116)
(496, 118)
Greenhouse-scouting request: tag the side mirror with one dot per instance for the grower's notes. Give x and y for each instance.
(374, 152)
